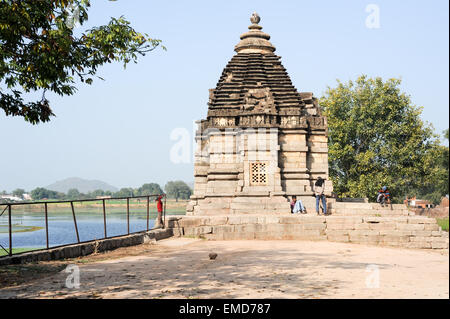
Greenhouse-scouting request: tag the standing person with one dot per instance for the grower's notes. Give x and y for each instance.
(159, 206)
(384, 196)
(319, 188)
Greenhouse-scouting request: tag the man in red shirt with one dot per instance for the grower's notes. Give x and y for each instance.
(159, 206)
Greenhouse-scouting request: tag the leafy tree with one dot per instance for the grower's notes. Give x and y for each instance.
(42, 193)
(124, 192)
(178, 189)
(73, 193)
(40, 52)
(376, 138)
(19, 192)
(149, 189)
(438, 164)
(95, 193)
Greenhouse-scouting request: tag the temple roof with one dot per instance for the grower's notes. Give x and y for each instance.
(255, 80)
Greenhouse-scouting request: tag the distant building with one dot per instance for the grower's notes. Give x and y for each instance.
(418, 203)
(11, 198)
(103, 197)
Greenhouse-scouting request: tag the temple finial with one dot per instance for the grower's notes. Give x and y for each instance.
(255, 18)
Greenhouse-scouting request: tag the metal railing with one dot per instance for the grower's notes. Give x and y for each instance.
(161, 217)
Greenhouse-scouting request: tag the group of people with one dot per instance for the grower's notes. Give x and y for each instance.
(297, 206)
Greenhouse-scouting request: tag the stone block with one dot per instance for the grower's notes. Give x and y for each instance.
(236, 220)
(382, 226)
(396, 232)
(421, 233)
(343, 220)
(402, 226)
(361, 226)
(295, 219)
(364, 232)
(339, 238)
(421, 239)
(432, 227)
(436, 233)
(394, 239)
(421, 220)
(439, 239)
(321, 226)
(340, 226)
(220, 229)
(191, 221)
(270, 219)
(439, 245)
(336, 233)
(361, 239)
(418, 245)
(216, 220)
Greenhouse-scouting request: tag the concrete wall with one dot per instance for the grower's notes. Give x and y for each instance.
(88, 248)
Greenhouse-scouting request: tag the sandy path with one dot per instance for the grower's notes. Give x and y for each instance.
(180, 268)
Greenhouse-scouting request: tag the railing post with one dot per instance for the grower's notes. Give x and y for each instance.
(75, 221)
(46, 224)
(164, 212)
(10, 230)
(128, 215)
(148, 211)
(104, 217)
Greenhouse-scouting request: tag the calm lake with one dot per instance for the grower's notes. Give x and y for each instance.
(29, 227)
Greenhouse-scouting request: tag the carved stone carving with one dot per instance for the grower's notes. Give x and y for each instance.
(259, 100)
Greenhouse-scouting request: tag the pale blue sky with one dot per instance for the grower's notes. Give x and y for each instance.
(118, 130)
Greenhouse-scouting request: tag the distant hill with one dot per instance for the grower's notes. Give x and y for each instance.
(83, 185)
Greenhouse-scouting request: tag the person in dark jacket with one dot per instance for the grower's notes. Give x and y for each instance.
(319, 188)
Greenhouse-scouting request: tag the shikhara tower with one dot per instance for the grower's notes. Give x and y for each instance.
(262, 140)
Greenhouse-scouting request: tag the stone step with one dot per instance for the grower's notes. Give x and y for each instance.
(367, 206)
(400, 231)
(369, 211)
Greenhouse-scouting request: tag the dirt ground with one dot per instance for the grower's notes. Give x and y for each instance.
(181, 268)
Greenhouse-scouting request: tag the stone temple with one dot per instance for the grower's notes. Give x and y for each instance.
(262, 141)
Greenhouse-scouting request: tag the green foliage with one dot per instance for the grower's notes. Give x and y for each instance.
(18, 192)
(40, 52)
(125, 192)
(178, 189)
(150, 189)
(443, 222)
(43, 193)
(376, 138)
(73, 193)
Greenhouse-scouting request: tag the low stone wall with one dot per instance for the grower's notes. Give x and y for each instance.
(87, 248)
(404, 231)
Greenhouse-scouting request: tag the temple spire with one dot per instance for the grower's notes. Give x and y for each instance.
(254, 41)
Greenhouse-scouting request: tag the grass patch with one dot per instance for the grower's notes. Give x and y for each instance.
(18, 250)
(443, 222)
(18, 228)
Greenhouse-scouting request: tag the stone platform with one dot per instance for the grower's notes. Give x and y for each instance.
(398, 231)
